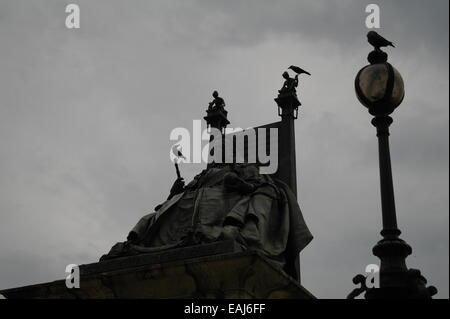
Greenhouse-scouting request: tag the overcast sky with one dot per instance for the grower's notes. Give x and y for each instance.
(85, 118)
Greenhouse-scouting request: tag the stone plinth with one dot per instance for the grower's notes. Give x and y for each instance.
(206, 271)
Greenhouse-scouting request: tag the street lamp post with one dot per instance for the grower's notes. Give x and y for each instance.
(380, 88)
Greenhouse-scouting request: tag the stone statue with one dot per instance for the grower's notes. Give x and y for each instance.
(224, 202)
(289, 85)
(217, 103)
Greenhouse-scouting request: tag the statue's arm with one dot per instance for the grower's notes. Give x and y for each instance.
(177, 188)
(138, 231)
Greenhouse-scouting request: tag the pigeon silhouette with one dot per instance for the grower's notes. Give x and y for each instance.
(378, 41)
(298, 70)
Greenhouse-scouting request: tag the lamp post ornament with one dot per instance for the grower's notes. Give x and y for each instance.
(380, 88)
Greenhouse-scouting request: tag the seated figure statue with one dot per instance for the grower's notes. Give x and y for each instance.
(218, 103)
(289, 85)
(225, 202)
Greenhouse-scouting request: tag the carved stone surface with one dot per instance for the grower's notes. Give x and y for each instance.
(225, 202)
(224, 275)
(165, 256)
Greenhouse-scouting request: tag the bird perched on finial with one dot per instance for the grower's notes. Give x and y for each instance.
(298, 70)
(378, 41)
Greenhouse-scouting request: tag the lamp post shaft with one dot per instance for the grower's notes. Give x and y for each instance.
(390, 227)
(391, 250)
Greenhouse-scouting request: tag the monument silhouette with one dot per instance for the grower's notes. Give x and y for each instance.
(232, 232)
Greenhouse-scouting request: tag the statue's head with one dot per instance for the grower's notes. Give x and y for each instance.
(215, 94)
(286, 75)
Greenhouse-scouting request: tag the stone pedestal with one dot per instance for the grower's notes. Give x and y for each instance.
(207, 271)
(288, 110)
(217, 118)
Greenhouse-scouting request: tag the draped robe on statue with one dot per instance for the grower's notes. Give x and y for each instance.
(266, 219)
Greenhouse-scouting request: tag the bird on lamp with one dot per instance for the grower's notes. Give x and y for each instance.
(378, 41)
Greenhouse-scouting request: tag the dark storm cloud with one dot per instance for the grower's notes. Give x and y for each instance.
(85, 118)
